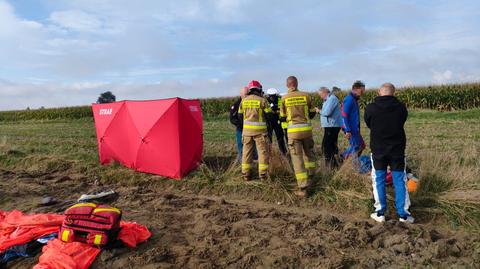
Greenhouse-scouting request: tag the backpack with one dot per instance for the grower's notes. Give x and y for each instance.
(90, 223)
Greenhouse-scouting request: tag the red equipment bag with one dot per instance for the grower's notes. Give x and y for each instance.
(90, 223)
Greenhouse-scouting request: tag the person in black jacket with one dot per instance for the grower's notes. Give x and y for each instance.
(238, 123)
(273, 122)
(386, 117)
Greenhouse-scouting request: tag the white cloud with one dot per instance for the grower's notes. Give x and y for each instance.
(172, 70)
(22, 95)
(442, 77)
(407, 83)
(76, 20)
(82, 86)
(15, 30)
(63, 42)
(154, 49)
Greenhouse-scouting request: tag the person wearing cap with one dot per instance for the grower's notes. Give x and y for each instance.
(386, 118)
(273, 122)
(297, 110)
(254, 110)
(331, 121)
(238, 123)
(351, 121)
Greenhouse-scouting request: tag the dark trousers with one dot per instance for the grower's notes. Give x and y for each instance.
(274, 126)
(330, 146)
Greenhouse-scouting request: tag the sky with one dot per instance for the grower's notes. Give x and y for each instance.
(56, 53)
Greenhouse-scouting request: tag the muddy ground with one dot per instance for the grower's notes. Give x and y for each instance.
(192, 231)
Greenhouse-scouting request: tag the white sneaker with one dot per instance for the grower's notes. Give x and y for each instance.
(377, 218)
(409, 219)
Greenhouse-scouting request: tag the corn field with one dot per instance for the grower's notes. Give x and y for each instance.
(441, 98)
(77, 112)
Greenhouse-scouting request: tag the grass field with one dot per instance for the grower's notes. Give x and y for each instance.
(442, 151)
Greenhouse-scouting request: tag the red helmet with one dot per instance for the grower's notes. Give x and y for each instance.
(254, 85)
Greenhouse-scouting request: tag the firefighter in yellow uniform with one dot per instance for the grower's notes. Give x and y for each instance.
(254, 109)
(297, 110)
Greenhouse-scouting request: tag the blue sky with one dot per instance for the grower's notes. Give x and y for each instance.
(65, 52)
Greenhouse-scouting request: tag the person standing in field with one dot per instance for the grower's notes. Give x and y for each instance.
(297, 110)
(331, 121)
(254, 110)
(351, 121)
(237, 121)
(386, 118)
(273, 123)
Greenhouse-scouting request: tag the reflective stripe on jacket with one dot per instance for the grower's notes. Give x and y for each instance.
(253, 109)
(296, 107)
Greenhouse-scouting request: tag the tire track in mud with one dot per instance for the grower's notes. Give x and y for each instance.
(192, 231)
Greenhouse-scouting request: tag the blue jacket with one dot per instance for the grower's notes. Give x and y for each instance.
(351, 115)
(331, 116)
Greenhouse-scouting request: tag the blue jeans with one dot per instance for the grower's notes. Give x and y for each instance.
(379, 177)
(240, 146)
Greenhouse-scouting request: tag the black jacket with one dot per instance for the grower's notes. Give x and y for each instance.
(234, 119)
(386, 117)
(273, 119)
(273, 101)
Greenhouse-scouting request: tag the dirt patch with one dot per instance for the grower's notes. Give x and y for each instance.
(192, 231)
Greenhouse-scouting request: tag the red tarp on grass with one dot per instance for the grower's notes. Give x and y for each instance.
(17, 228)
(59, 255)
(163, 137)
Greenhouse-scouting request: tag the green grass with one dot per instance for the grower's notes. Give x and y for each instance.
(442, 150)
(472, 114)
